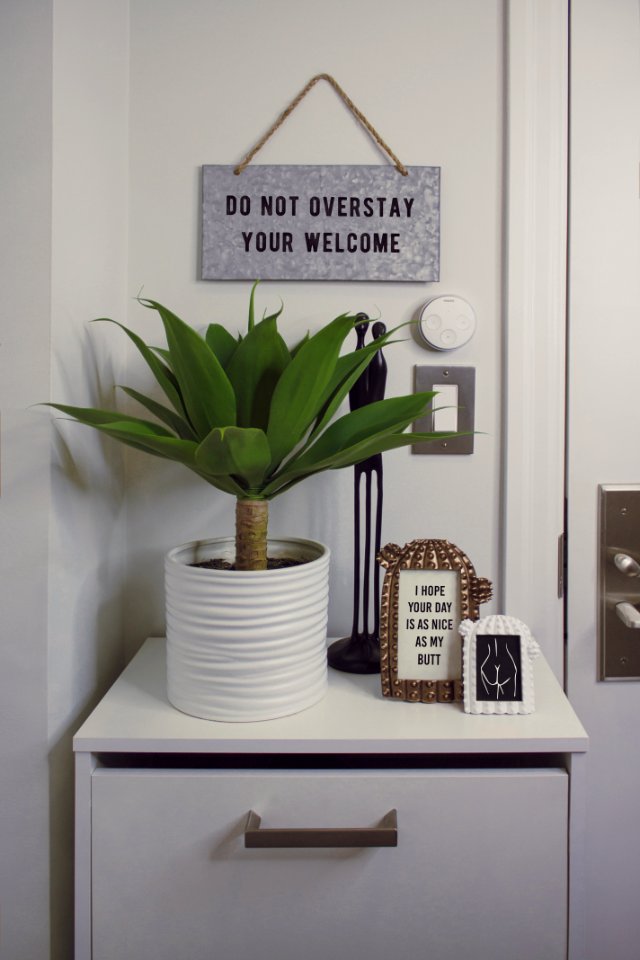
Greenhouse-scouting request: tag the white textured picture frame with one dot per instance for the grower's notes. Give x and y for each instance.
(497, 666)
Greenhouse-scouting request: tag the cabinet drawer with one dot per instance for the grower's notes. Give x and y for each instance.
(480, 869)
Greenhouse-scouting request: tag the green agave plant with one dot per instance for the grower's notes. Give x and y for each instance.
(253, 417)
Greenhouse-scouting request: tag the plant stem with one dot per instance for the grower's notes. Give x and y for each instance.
(252, 517)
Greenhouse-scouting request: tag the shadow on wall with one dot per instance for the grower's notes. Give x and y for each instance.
(86, 590)
(109, 663)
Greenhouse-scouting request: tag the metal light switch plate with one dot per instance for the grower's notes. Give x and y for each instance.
(619, 582)
(464, 378)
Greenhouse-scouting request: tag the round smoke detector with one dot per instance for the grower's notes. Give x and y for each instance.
(447, 322)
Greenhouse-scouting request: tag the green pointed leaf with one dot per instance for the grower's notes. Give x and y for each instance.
(273, 316)
(393, 414)
(225, 484)
(171, 448)
(221, 342)
(163, 374)
(141, 433)
(149, 438)
(349, 369)
(235, 451)
(207, 392)
(251, 320)
(255, 369)
(94, 417)
(300, 392)
(163, 353)
(346, 458)
(380, 444)
(294, 350)
(167, 416)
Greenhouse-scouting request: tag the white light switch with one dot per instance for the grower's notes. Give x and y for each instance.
(451, 411)
(445, 413)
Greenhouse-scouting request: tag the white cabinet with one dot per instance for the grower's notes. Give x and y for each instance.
(481, 866)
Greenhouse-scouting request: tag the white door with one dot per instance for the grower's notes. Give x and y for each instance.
(604, 439)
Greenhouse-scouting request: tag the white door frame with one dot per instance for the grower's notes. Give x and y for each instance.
(535, 298)
(536, 156)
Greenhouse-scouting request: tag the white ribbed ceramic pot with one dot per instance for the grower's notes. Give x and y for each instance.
(246, 645)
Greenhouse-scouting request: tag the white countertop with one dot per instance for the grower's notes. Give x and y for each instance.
(354, 718)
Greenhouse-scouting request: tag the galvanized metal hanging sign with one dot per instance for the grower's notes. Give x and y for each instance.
(320, 223)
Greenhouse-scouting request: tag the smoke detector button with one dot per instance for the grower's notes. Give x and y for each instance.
(446, 323)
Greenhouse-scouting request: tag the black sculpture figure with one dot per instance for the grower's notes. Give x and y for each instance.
(360, 652)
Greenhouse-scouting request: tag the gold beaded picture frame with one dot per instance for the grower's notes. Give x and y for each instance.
(429, 587)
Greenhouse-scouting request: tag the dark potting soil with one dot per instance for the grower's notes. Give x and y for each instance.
(273, 563)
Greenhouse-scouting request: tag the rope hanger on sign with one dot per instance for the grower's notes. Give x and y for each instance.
(400, 167)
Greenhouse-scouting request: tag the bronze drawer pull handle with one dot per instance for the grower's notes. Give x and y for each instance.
(384, 835)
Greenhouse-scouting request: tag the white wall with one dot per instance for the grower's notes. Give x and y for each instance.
(604, 432)
(109, 111)
(25, 259)
(88, 279)
(207, 80)
(63, 259)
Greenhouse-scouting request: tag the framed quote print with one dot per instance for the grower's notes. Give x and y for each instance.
(498, 655)
(430, 586)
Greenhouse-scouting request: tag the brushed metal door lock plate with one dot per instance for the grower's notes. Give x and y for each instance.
(619, 582)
